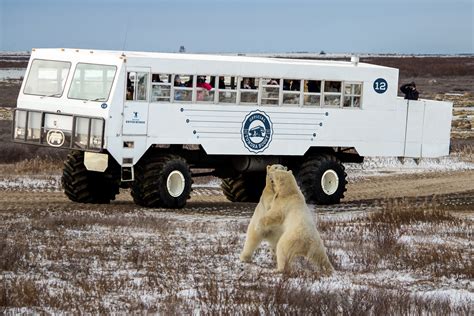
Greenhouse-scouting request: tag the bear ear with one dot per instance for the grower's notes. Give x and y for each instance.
(285, 168)
(290, 172)
(268, 167)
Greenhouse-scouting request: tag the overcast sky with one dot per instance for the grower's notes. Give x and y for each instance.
(337, 26)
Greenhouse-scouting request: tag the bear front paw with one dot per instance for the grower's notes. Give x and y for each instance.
(245, 257)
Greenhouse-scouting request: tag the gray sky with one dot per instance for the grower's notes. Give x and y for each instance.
(344, 26)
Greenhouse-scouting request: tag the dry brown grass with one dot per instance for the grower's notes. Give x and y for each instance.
(113, 261)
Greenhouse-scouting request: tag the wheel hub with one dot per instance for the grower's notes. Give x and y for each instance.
(329, 182)
(175, 183)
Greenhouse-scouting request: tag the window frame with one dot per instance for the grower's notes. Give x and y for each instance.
(111, 86)
(65, 81)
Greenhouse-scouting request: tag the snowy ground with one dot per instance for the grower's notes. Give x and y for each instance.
(401, 255)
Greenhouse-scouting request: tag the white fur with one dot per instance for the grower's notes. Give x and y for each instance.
(290, 219)
(254, 235)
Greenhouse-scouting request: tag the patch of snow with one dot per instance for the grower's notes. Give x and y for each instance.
(381, 166)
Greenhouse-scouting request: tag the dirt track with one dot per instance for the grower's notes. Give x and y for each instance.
(454, 190)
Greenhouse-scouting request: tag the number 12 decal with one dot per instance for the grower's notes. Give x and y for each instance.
(380, 85)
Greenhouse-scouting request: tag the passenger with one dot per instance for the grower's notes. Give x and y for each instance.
(295, 85)
(155, 78)
(202, 93)
(177, 81)
(221, 82)
(129, 89)
(410, 91)
(286, 84)
(314, 86)
(189, 83)
(201, 83)
(178, 94)
(273, 82)
(247, 84)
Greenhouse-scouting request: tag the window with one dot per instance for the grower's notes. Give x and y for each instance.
(332, 93)
(249, 90)
(204, 90)
(312, 92)
(47, 78)
(183, 88)
(352, 94)
(227, 94)
(270, 91)
(160, 88)
(92, 82)
(291, 91)
(137, 83)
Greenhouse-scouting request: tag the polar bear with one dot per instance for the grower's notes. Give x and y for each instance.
(291, 219)
(255, 237)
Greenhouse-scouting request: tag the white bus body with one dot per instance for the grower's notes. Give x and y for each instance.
(372, 121)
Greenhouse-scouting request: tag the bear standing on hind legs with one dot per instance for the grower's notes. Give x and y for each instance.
(291, 218)
(254, 236)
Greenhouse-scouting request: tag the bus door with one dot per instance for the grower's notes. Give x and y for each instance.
(135, 109)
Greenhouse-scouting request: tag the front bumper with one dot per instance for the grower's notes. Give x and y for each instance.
(58, 130)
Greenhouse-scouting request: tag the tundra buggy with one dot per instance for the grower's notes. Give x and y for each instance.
(153, 121)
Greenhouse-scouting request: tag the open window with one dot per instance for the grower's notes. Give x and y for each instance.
(332, 93)
(205, 92)
(249, 90)
(160, 87)
(291, 92)
(137, 85)
(227, 89)
(183, 88)
(270, 90)
(312, 92)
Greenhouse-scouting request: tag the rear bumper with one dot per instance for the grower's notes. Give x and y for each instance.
(58, 130)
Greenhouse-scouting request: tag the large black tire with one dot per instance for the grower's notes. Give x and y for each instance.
(246, 187)
(83, 186)
(162, 181)
(322, 179)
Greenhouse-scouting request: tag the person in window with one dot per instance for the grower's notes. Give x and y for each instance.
(201, 83)
(247, 84)
(202, 88)
(295, 85)
(410, 91)
(178, 94)
(129, 89)
(273, 82)
(314, 86)
(155, 78)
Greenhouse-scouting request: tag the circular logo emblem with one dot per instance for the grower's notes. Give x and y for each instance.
(55, 138)
(103, 105)
(257, 131)
(380, 85)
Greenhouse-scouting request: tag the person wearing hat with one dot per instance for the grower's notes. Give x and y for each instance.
(410, 91)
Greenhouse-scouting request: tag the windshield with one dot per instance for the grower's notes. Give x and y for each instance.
(47, 78)
(92, 82)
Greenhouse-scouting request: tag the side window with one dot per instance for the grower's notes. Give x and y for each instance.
(312, 92)
(270, 90)
(183, 88)
(204, 89)
(227, 89)
(291, 91)
(352, 94)
(160, 87)
(332, 93)
(137, 83)
(249, 90)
